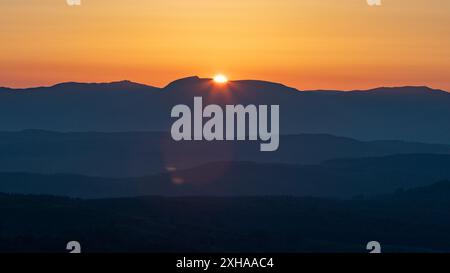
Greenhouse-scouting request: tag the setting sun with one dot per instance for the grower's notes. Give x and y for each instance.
(220, 78)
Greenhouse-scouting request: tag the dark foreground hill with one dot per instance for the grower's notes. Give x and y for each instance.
(338, 178)
(130, 154)
(402, 222)
(417, 114)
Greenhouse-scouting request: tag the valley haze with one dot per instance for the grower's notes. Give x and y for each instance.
(113, 139)
(96, 162)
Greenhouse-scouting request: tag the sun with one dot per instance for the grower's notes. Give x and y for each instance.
(220, 78)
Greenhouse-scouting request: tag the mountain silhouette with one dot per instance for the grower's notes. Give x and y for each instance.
(352, 166)
(131, 154)
(418, 114)
(344, 178)
(124, 85)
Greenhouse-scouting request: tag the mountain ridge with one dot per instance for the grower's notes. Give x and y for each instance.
(341, 178)
(196, 79)
(383, 113)
(125, 154)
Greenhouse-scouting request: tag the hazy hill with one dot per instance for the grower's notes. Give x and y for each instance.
(130, 154)
(405, 113)
(338, 178)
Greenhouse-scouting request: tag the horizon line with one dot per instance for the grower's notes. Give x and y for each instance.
(207, 78)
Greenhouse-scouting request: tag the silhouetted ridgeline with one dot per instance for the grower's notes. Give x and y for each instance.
(239, 224)
(130, 154)
(337, 178)
(386, 187)
(405, 113)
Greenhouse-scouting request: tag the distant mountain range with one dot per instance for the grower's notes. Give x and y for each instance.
(351, 167)
(417, 114)
(131, 154)
(345, 178)
(108, 158)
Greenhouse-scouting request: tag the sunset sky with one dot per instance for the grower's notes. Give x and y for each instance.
(307, 44)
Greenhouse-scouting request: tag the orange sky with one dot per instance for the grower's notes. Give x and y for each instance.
(307, 44)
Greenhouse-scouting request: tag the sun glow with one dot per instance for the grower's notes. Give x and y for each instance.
(220, 78)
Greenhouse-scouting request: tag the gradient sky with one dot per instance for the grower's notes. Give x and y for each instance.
(307, 44)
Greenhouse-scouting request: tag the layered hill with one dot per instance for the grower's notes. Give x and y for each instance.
(404, 113)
